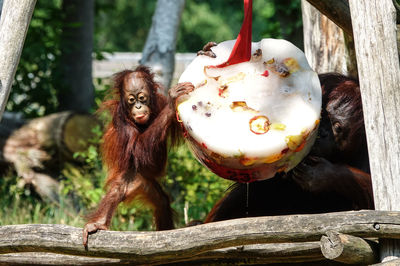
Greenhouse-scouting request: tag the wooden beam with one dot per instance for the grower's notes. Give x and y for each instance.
(14, 22)
(248, 254)
(336, 10)
(327, 47)
(183, 244)
(349, 249)
(374, 27)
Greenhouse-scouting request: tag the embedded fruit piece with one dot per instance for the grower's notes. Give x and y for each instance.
(225, 81)
(259, 124)
(274, 158)
(246, 161)
(241, 106)
(296, 143)
(291, 64)
(278, 126)
(278, 68)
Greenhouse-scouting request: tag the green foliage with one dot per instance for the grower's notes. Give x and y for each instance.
(33, 92)
(86, 181)
(122, 25)
(204, 21)
(188, 183)
(21, 206)
(192, 185)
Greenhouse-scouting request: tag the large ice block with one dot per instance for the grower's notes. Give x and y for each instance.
(247, 121)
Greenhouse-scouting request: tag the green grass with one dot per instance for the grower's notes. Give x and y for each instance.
(191, 186)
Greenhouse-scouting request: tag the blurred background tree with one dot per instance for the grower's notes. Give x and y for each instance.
(55, 44)
(74, 69)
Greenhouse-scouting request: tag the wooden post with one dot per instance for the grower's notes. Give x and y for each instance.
(14, 22)
(374, 28)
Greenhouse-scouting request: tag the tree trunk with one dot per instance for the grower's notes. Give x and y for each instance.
(159, 50)
(75, 66)
(374, 27)
(14, 23)
(327, 47)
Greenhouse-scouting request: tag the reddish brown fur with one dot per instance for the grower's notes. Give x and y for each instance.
(136, 153)
(120, 139)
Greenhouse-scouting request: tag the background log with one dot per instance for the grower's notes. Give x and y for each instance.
(153, 247)
(374, 26)
(349, 249)
(14, 22)
(37, 148)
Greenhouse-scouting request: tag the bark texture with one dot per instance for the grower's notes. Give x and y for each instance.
(374, 27)
(349, 249)
(200, 242)
(37, 147)
(14, 22)
(327, 47)
(336, 10)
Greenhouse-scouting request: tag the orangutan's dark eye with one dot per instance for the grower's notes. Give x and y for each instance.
(337, 127)
(131, 100)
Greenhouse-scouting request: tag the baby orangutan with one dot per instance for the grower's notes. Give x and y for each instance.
(135, 147)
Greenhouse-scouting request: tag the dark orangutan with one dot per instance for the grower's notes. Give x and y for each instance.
(333, 177)
(135, 147)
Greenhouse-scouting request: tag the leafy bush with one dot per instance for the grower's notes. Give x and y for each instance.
(20, 205)
(191, 186)
(194, 188)
(33, 91)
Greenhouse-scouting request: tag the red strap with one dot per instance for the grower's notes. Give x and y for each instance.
(241, 52)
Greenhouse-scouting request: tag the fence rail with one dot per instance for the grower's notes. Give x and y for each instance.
(291, 238)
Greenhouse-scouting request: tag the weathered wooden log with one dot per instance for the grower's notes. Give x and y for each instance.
(64, 133)
(327, 47)
(156, 247)
(14, 22)
(374, 27)
(349, 249)
(39, 258)
(36, 148)
(336, 10)
(258, 254)
(250, 254)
